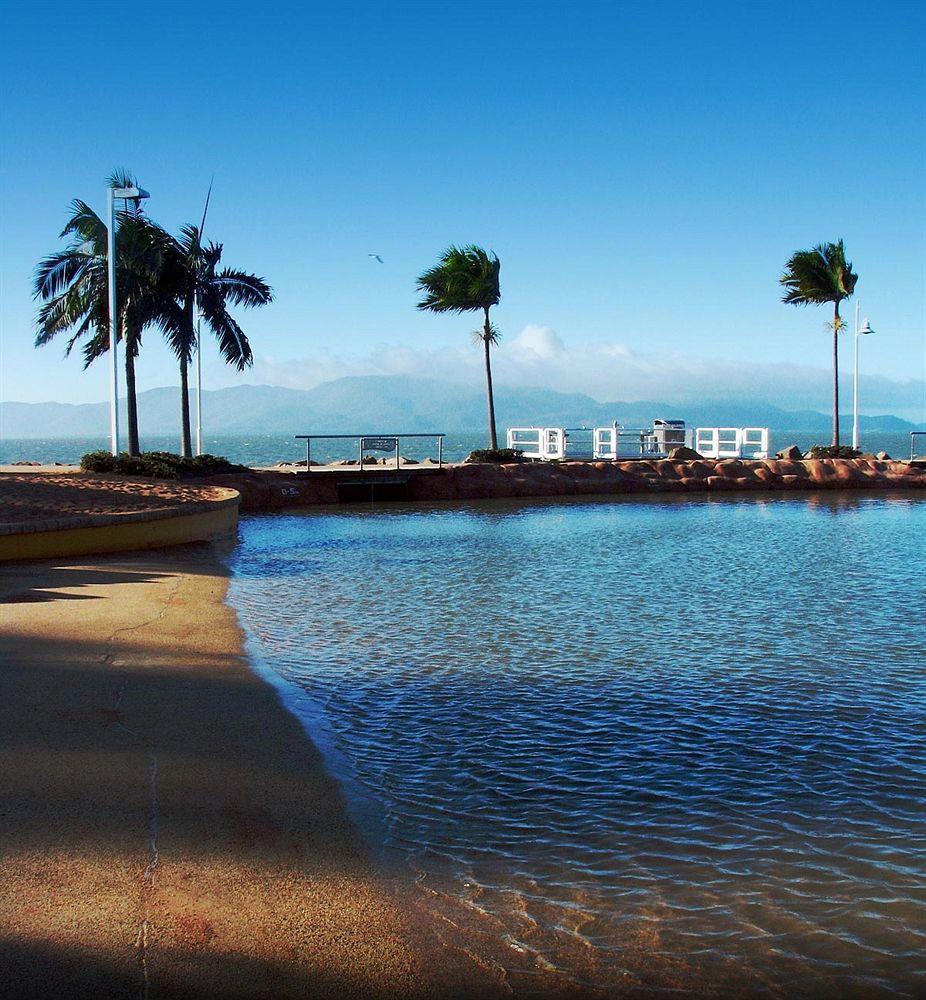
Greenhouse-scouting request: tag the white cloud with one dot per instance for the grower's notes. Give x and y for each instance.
(538, 341)
(538, 356)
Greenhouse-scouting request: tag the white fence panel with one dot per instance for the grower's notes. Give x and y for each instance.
(731, 442)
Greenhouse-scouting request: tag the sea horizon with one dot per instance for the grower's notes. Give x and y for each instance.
(265, 450)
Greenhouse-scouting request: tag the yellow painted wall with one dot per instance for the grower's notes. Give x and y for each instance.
(180, 530)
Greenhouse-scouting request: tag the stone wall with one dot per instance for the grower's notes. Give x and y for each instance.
(279, 490)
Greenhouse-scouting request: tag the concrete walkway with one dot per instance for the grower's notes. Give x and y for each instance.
(168, 830)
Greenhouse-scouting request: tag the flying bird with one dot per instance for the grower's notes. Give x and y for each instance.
(375, 256)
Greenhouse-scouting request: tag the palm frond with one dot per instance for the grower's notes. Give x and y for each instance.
(243, 289)
(821, 274)
(465, 279)
(494, 335)
(54, 273)
(122, 178)
(233, 343)
(86, 224)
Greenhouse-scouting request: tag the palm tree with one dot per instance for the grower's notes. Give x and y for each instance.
(73, 285)
(465, 279)
(193, 280)
(815, 277)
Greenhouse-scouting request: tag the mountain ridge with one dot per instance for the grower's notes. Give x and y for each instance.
(399, 403)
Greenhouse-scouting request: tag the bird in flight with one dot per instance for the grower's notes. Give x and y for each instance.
(375, 256)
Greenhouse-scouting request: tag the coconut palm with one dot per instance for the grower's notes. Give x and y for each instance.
(73, 285)
(192, 278)
(816, 277)
(466, 279)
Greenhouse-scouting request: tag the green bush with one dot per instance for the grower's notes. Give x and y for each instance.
(499, 455)
(98, 461)
(832, 451)
(157, 464)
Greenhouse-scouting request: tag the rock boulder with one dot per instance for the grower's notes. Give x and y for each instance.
(683, 454)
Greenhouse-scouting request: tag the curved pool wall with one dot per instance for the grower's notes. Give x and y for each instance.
(642, 743)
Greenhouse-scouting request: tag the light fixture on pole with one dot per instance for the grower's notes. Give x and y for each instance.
(860, 331)
(127, 194)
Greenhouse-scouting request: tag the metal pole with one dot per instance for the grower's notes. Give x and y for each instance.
(308, 454)
(440, 450)
(113, 335)
(855, 380)
(397, 453)
(199, 385)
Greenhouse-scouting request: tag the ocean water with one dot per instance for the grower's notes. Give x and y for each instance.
(268, 449)
(638, 747)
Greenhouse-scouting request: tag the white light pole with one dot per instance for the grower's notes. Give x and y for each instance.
(859, 332)
(199, 387)
(135, 194)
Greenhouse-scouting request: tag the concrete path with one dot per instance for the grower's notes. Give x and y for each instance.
(168, 830)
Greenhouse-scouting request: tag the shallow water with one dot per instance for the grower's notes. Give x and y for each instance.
(636, 745)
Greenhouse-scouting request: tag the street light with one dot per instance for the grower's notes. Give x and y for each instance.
(126, 194)
(859, 332)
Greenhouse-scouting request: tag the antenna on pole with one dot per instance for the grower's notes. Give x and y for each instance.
(202, 224)
(199, 349)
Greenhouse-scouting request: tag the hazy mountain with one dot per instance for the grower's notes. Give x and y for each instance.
(397, 403)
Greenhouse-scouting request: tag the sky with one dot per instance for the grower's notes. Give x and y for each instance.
(643, 170)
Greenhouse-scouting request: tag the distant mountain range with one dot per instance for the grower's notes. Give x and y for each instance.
(397, 403)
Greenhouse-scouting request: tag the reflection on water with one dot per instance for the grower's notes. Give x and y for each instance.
(639, 744)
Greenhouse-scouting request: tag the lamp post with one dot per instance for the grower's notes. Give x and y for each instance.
(859, 332)
(199, 387)
(127, 194)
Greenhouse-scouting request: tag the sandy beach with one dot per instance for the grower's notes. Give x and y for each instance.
(168, 829)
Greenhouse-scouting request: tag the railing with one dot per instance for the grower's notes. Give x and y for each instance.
(600, 443)
(368, 443)
(613, 443)
(544, 443)
(913, 452)
(731, 442)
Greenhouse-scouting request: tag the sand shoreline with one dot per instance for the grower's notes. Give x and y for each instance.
(168, 828)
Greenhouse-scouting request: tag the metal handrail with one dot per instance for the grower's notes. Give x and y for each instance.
(913, 436)
(309, 438)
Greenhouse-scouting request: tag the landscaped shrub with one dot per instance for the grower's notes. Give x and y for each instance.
(98, 461)
(157, 464)
(499, 455)
(832, 451)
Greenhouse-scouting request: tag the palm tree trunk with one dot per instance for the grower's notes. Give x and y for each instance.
(131, 402)
(186, 444)
(487, 343)
(836, 375)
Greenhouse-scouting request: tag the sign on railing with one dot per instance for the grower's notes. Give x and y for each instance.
(379, 444)
(370, 442)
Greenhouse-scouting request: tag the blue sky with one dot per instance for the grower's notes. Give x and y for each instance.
(643, 171)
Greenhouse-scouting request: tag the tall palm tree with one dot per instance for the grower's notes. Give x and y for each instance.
(816, 277)
(193, 279)
(466, 279)
(73, 285)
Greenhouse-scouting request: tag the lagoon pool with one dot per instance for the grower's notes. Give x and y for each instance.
(632, 746)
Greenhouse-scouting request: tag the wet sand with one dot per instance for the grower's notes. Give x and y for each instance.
(167, 828)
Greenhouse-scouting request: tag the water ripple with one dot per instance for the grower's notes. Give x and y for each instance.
(641, 746)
